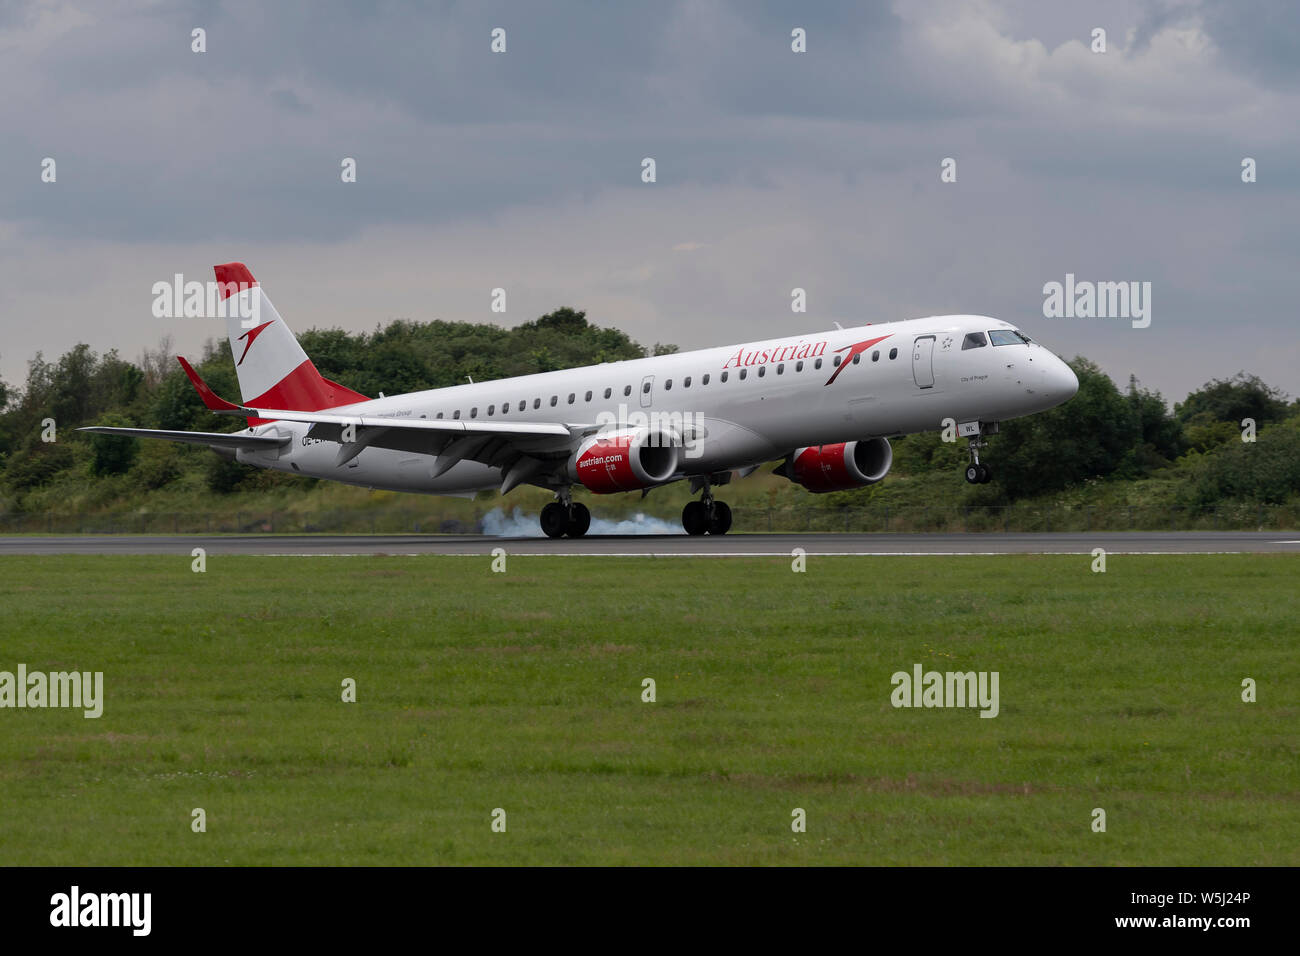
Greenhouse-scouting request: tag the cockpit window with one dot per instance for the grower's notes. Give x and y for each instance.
(1006, 337)
(973, 340)
(1026, 339)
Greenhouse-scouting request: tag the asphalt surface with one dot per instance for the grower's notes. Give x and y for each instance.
(734, 545)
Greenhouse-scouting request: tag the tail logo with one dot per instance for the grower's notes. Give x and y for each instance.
(251, 334)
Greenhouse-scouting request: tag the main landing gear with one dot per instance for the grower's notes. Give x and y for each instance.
(706, 515)
(565, 516)
(977, 473)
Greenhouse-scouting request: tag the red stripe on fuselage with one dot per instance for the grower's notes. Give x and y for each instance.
(852, 350)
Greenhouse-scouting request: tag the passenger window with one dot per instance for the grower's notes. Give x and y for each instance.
(589, 396)
(456, 413)
(505, 408)
(705, 380)
(817, 365)
(609, 392)
(686, 383)
(627, 390)
(571, 398)
(780, 368)
(857, 359)
(973, 340)
(875, 356)
(798, 366)
(668, 384)
(440, 414)
(723, 377)
(762, 370)
(893, 354)
(645, 388)
(744, 373)
(523, 403)
(554, 400)
(537, 403)
(837, 361)
(492, 409)
(473, 412)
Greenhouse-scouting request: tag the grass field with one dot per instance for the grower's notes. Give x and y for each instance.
(522, 691)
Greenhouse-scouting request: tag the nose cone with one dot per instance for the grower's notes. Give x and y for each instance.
(1062, 384)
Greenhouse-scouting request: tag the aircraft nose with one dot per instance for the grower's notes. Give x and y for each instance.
(1062, 383)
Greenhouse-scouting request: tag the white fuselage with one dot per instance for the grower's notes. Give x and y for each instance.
(753, 402)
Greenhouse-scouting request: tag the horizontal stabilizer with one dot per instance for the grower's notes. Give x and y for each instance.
(212, 439)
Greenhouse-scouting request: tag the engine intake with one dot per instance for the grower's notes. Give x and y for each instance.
(823, 468)
(607, 464)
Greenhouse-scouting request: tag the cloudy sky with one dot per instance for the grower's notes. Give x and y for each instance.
(775, 169)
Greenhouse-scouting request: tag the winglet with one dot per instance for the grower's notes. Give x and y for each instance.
(211, 399)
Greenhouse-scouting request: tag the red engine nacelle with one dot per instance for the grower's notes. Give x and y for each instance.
(611, 463)
(823, 468)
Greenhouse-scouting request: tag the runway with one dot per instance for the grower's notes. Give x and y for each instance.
(668, 545)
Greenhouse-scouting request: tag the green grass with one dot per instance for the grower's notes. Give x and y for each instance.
(523, 691)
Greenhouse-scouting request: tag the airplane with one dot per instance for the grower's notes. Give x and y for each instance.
(824, 403)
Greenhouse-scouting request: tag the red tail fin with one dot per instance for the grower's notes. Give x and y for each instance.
(273, 370)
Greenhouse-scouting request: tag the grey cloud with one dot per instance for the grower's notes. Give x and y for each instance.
(1125, 166)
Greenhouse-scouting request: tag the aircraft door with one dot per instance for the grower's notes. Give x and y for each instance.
(923, 361)
(647, 390)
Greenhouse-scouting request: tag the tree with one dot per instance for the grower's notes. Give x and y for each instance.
(1161, 434)
(1231, 400)
(565, 321)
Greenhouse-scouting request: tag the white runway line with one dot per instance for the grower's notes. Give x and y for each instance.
(713, 554)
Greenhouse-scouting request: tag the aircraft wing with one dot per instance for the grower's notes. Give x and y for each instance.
(437, 426)
(212, 439)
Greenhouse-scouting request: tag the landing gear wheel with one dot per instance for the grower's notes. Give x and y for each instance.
(555, 520)
(579, 520)
(719, 518)
(978, 473)
(695, 518)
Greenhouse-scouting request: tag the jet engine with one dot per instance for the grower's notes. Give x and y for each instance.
(625, 461)
(822, 468)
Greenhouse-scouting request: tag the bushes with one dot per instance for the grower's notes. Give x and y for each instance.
(38, 465)
(223, 475)
(1266, 471)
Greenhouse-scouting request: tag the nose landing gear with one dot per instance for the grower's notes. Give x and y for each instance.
(976, 472)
